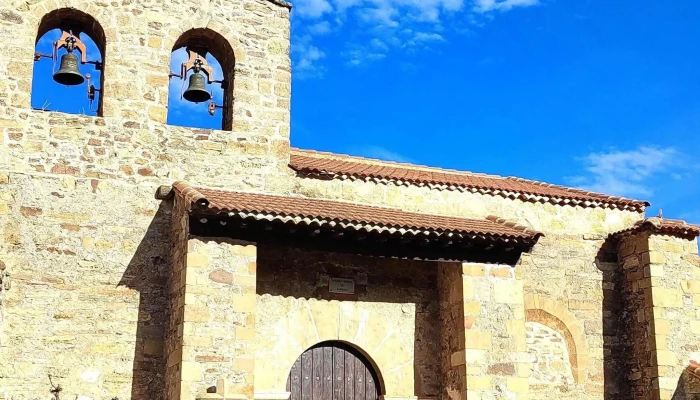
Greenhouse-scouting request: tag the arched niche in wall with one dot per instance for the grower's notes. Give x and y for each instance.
(557, 318)
(56, 27)
(217, 53)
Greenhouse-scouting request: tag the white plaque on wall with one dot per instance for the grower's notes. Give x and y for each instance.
(338, 285)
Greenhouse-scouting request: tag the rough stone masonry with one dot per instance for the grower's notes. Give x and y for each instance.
(113, 292)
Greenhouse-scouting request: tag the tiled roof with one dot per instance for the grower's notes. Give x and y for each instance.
(663, 225)
(348, 167)
(335, 214)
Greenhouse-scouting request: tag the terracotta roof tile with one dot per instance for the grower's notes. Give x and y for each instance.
(308, 211)
(663, 225)
(344, 166)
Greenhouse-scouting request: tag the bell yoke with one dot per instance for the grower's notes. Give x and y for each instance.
(196, 91)
(69, 72)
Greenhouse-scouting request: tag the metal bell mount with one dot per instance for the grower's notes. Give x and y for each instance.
(196, 91)
(69, 70)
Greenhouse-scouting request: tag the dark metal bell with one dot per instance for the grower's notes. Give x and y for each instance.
(68, 74)
(196, 91)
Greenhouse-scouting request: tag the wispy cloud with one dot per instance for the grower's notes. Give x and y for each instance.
(307, 56)
(321, 28)
(382, 153)
(484, 6)
(397, 24)
(312, 8)
(629, 173)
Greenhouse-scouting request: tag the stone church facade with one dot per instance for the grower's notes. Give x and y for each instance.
(145, 261)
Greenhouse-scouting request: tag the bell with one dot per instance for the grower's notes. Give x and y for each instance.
(196, 91)
(68, 74)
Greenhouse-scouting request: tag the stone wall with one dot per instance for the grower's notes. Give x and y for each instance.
(131, 142)
(89, 264)
(661, 314)
(140, 36)
(453, 322)
(637, 325)
(675, 284)
(85, 240)
(571, 223)
(218, 317)
(175, 304)
(392, 317)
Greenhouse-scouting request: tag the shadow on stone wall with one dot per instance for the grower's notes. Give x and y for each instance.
(614, 335)
(688, 386)
(303, 274)
(614, 376)
(147, 274)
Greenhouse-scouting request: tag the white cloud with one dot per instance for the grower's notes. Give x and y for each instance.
(312, 8)
(307, 56)
(357, 58)
(383, 153)
(390, 22)
(484, 6)
(321, 28)
(629, 173)
(378, 44)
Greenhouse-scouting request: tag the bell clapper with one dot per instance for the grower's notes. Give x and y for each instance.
(91, 92)
(212, 107)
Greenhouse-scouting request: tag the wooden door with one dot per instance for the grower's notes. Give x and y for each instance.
(332, 371)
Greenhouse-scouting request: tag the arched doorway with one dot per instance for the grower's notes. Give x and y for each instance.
(333, 371)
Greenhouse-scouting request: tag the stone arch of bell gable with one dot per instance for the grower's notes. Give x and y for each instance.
(30, 30)
(556, 316)
(221, 46)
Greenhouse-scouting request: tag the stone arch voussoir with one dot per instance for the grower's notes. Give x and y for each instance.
(556, 316)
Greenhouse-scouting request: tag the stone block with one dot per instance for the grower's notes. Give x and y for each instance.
(656, 270)
(191, 371)
(197, 260)
(508, 292)
(472, 308)
(665, 357)
(662, 327)
(479, 383)
(196, 314)
(653, 257)
(691, 286)
(584, 305)
(478, 340)
(666, 297)
(457, 358)
(244, 333)
(244, 303)
(473, 269)
(502, 272)
(695, 327)
(517, 385)
(475, 356)
(501, 369)
(244, 250)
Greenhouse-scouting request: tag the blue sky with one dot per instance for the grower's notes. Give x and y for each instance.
(602, 95)
(594, 94)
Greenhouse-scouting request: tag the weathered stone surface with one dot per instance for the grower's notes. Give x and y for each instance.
(112, 296)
